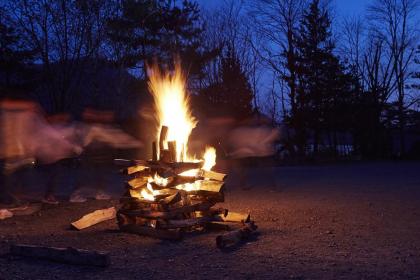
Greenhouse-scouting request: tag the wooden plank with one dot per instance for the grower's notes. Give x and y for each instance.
(154, 151)
(94, 218)
(175, 234)
(63, 255)
(211, 186)
(172, 150)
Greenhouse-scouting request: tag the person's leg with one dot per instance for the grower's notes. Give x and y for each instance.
(51, 175)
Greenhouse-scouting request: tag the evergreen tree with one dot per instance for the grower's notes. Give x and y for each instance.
(232, 95)
(322, 82)
(162, 29)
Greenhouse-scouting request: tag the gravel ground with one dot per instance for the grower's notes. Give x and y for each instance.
(350, 221)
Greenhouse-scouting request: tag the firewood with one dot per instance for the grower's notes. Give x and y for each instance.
(63, 255)
(175, 234)
(172, 150)
(212, 175)
(137, 183)
(94, 218)
(134, 169)
(211, 186)
(234, 237)
(154, 151)
(235, 217)
(227, 226)
(200, 206)
(172, 198)
(165, 156)
(184, 223)
(162, 139)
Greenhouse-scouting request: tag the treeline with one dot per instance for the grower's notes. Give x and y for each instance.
(332, 82)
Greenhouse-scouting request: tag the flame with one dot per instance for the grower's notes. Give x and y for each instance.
(172, 106)
(159, 180)
(148, 193)
(209, 158)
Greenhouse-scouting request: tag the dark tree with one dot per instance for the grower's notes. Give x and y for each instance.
(232, 95)
(149, 29)
(13, 53)
(320, 77)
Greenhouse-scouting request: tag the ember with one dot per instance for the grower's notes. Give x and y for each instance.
(174, 192)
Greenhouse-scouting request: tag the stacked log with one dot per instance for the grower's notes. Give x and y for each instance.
(165, 198)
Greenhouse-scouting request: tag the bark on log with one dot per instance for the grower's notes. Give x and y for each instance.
(153, 232)
(62, 255)
(234, 237)
(94, 218)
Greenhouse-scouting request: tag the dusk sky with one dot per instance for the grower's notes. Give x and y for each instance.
(344, 7)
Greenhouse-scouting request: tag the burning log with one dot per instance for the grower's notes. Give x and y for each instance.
(94, 218)
(213, 175)
(235, 237)
(63, 255)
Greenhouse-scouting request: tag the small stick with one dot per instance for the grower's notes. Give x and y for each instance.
(235, 237)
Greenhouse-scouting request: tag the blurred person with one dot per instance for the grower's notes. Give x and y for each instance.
(249, 143)
(17, 117)
(62, 133)
(100, 137)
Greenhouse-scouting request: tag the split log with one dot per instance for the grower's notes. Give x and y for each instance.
(134, 169)
(235, 217)
(137, 183)
(235, 237)
(172, 150)
(172, 199)
(212, 175)
(175, 234)
(165, 155)
(63, 255)
(162, 138)
(154, 151)
(94, 218)
(211, 186)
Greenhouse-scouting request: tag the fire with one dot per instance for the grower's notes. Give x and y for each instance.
(173, 111)
(209, 158)
(172, 106)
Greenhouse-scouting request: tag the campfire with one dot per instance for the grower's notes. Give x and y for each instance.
(175, 192)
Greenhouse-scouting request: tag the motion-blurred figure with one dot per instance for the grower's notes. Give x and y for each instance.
(100, 137)
(16, 125)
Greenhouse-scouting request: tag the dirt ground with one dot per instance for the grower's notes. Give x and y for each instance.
(348, 221)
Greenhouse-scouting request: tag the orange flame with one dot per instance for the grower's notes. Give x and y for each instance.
(172, 106)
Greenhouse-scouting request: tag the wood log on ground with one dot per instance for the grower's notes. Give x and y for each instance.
(234, 217)
(236, 236)
(62, 255)
(175, 234)
(94, 218)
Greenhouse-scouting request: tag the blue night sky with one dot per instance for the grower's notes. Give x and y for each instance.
(343, 7)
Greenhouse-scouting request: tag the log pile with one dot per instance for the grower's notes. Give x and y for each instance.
(165, 198)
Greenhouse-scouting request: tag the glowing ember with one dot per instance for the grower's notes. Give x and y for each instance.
(172, 107)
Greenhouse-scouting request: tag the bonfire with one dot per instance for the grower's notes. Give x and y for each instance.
(175, 192)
